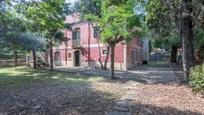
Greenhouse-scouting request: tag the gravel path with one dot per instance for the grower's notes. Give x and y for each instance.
(143, 74)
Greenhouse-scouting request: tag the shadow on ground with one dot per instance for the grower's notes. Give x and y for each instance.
(27, 91)
(144, 109)
(142, 74)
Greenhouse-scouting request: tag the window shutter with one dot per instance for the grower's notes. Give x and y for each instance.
(78, 34)
(73, 35)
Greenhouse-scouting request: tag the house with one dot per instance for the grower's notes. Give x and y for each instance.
(80, 47)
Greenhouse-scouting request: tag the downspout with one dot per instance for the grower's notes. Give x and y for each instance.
(89, 38)
(125, 57)
(66, 48)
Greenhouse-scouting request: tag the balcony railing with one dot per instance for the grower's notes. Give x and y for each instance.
(76, 43)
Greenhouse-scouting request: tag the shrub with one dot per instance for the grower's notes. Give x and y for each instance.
(196, 79)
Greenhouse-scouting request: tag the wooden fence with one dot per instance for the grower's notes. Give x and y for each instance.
(11, 62)
(7, 59)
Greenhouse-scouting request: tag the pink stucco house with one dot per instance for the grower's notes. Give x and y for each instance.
(80, 48)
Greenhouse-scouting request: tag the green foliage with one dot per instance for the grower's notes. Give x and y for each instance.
(31, 41)
(164, 17)
(89, 7)
(163, 21)
(18, 18)
(118, 21)
(159, 18)
(5, 56)
(197, 78)
(12, 22)
(115, 19)
(167, 42)
(10, 56)
(47, 17)
(199, 38)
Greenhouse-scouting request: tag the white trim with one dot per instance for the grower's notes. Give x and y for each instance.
(92, 46)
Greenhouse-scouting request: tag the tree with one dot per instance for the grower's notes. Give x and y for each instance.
(115, 22)
(187, 39)
(199, 45)
(11, 24)
(90, 10)
(47, 17)
(118, 23)
(10, 41)
(31, 42)
(161, 20)
(171, 43)
(167, 16)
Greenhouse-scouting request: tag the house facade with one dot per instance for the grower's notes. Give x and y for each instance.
(80, 47)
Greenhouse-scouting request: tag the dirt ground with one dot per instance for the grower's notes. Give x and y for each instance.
(26, 91)
(168, 99)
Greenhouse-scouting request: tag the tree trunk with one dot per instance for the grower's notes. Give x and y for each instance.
(199, 55)
(107, 56)
(34, 60)
(187, 46)
(16, 58)
(99, 48)
(89, 43)
(112, 61)
(51, 56)
(66, 53)
(174, 54)
(99, 53)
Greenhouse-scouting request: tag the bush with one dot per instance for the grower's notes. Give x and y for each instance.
(6, 56)
(196, 79)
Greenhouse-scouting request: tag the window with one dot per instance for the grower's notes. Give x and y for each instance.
(76, 34)
(57, 56)
(95, 32)
(69, 55)
(104, 52)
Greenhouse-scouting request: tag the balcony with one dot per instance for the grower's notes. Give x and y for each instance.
(76, 43)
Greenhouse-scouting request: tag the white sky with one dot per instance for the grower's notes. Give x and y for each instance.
(71, 1)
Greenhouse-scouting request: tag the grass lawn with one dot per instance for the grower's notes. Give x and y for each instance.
(28, 91)
(158, 63)
(21, 76)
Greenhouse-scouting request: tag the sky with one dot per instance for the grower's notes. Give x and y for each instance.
(71, 1)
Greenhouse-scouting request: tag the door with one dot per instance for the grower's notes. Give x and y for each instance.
(76, 58)
(57, 59)
(133, 58)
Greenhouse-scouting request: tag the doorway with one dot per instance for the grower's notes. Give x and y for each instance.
(133, 58)
(77, 58)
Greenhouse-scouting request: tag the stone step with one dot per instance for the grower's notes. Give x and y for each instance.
(128, 98)
(123, 104)
(132, 88)
(121, 108)
(118, 113)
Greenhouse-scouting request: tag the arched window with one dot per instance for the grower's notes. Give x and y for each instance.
(76, 34)
(57, 56)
